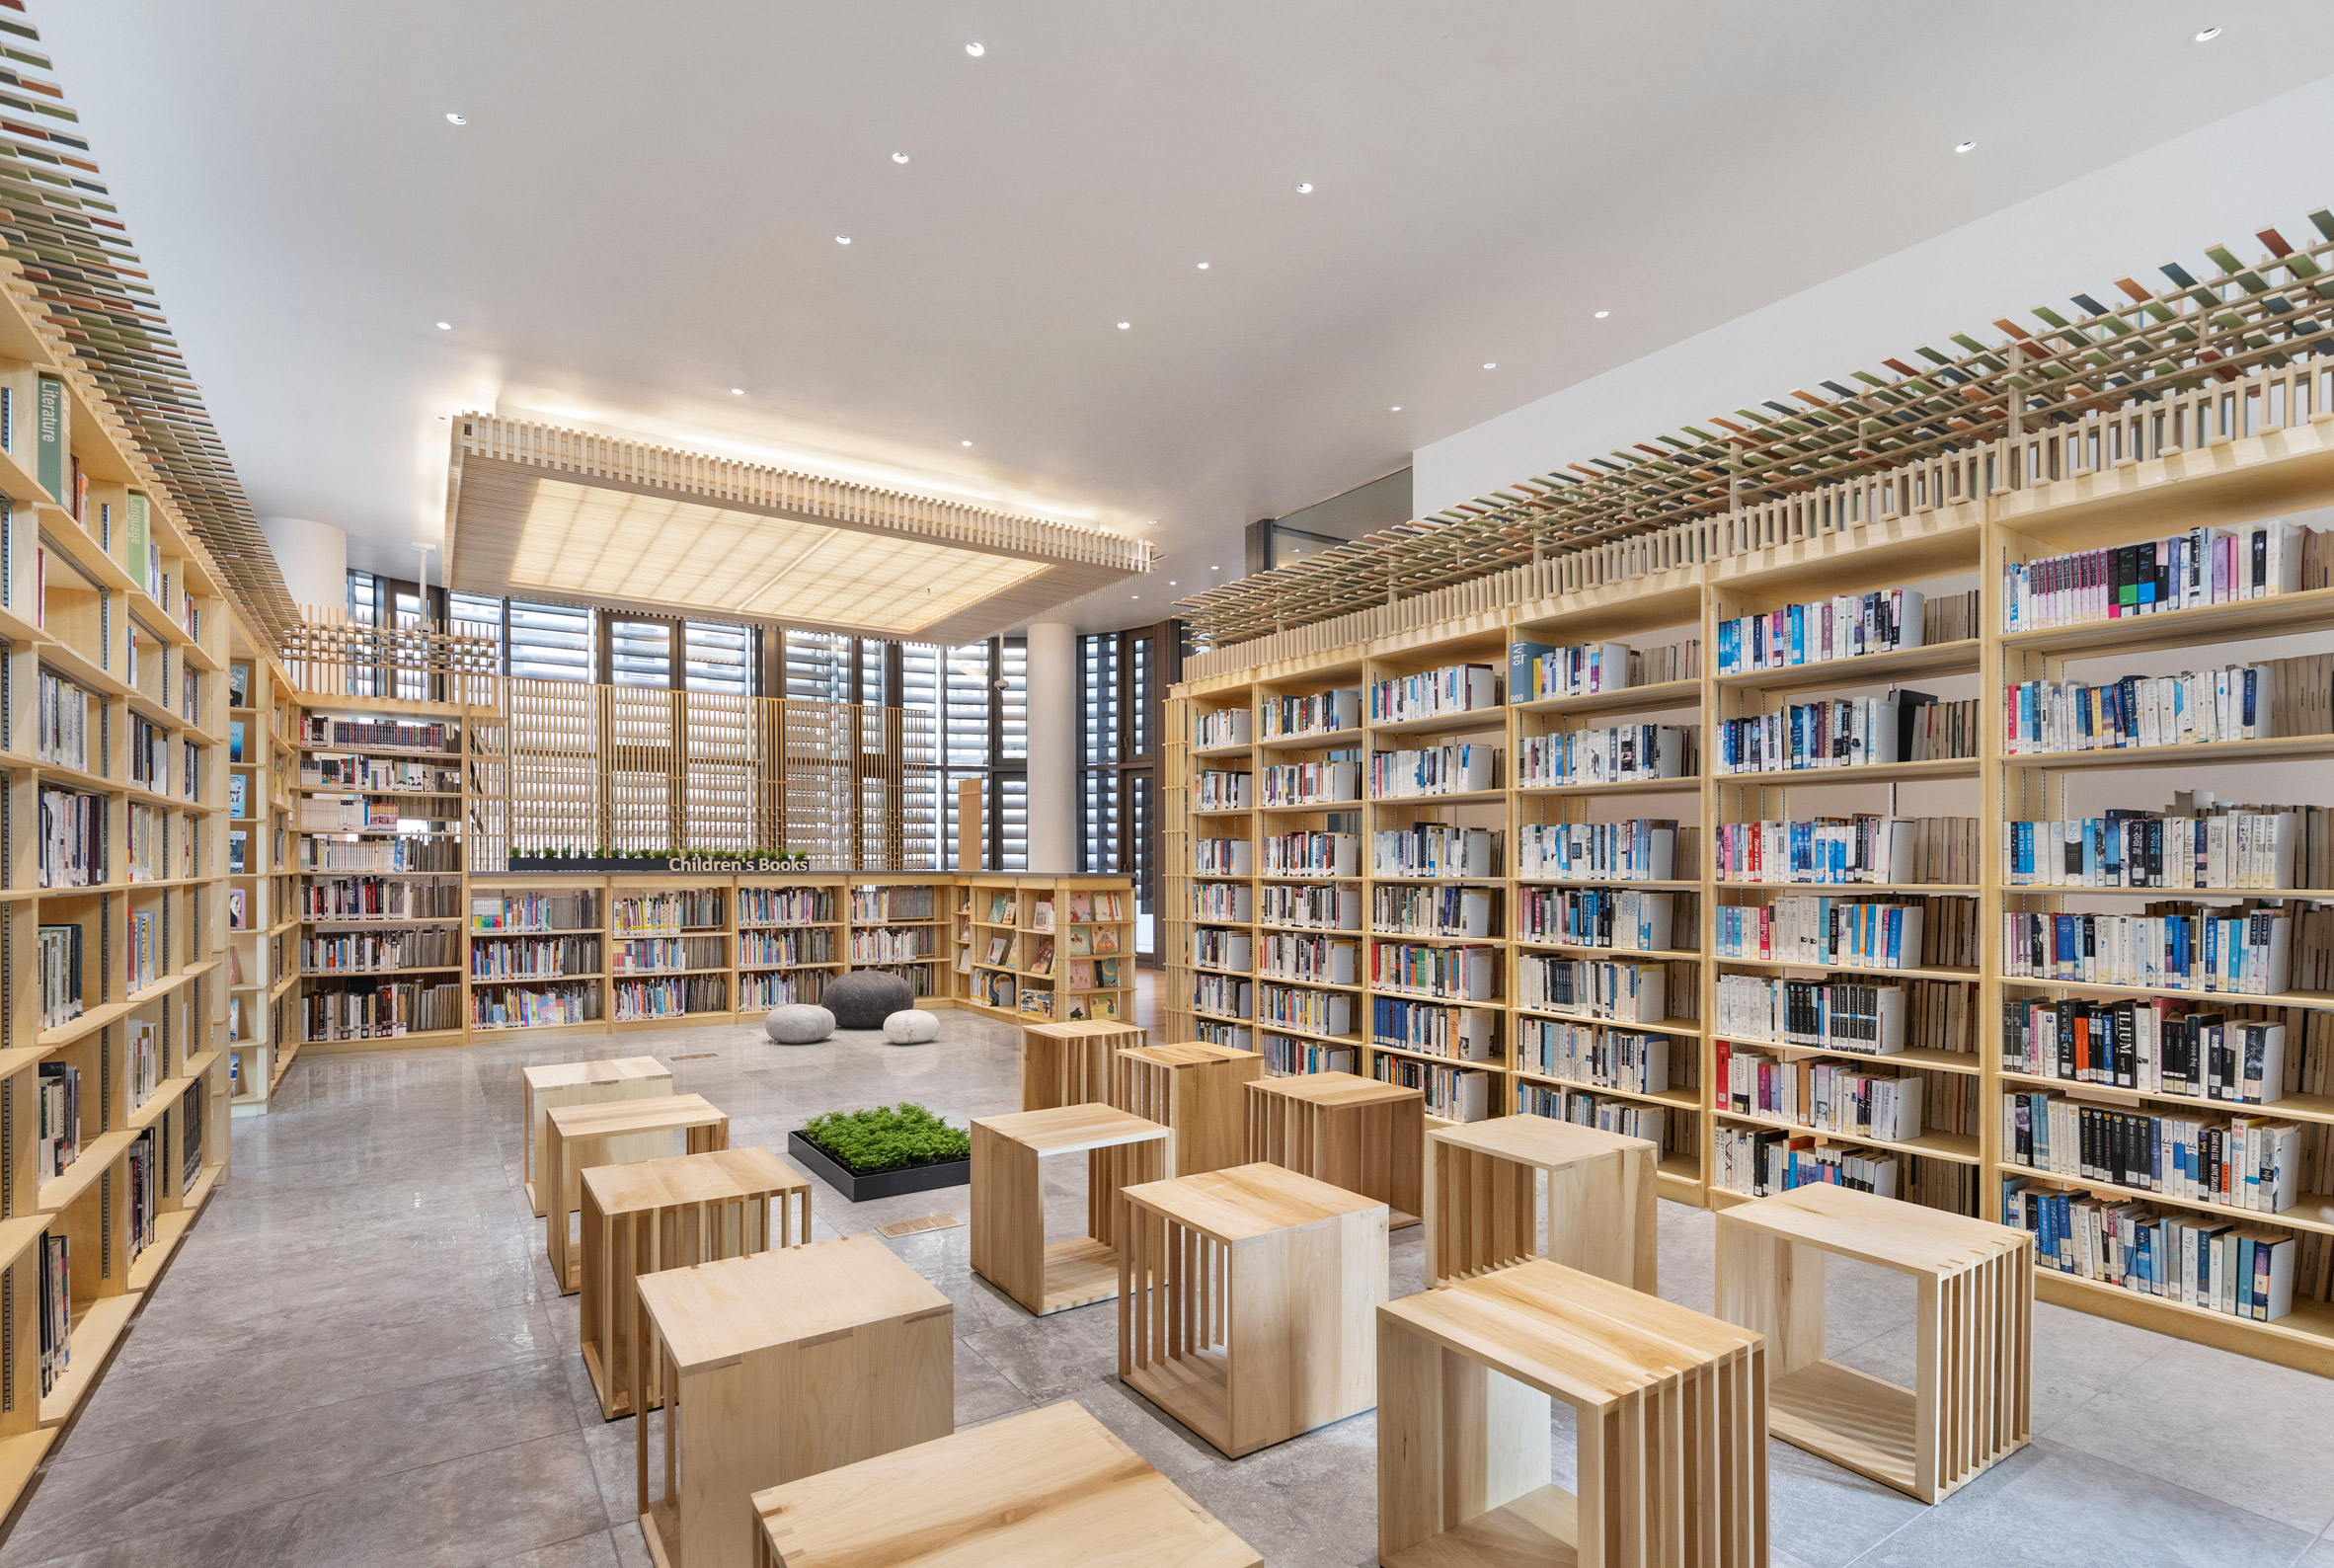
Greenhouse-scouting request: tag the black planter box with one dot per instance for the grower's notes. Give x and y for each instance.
(883, 1184)
(716, 865)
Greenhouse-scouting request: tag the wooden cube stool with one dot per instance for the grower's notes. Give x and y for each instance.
(1351, 1132)
(1671, 1412)
(1009, 1249)
(1248, 1300)
(579, 1136)
(1073, 1063)
(1042, 1489)
(1198, 1092)
(779, 1365)
(586, 1083)
(1484, 1206)
(667, 1214)
(1972, 1403)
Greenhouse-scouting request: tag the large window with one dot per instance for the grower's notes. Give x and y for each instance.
(977, 695)
(1122, 675)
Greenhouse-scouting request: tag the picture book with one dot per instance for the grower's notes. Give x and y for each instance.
(1000, 990)
(1037, 1003)
(1041, 959)
(237, 908)
(996, 948)
(235, 741)
(1106, 939)
(1074, 1008)
(1082, 974)
(236, 847)
(1106, 973)
(1075, 942)
(237, 794)
(1103, 1005)
(1041, 915)
(1081, 907)
(239, 685)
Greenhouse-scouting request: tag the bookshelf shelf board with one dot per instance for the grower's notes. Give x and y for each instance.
(1649, 954)
(2313, 610)
(1962, 1062)
(2315, 1211)
(2045, 890)
(2299, 1106)
(18, 894)
(582, 1026)
(1223, 811)
(322, 792)
(1491, 881)
(78, 668)
(60, 1191)
(655, 973)
(1879, 976)
(80, 779)
(1687, 1098)
(16, 629)
(1950, 767)
(1628, 699)
(773, 969)
(1960, 1148)
(1407, 993)
(2303, 1339)
(368, 920)
(1941, 889)
(1323, 876)
(94, 1335)
(533, 979)
(1445, 798)
(1388, 1047)
(1958, 657)
(1640, 883)
(2221, 753)
(1292, 1029)
(2320, 1000)
(17, 1059)
(390, 750)
(1426, 938)
(169, 1230)
(1317, 984)
(1466, 722)
(1351, 803)
(160, 988)
(281, 927)
(1665, 1026)
(91, 1020)
(378, 973)
(1625, 787)
(1329, 739)
(1227, 1018)
(138, 702)
(1680, 1168)
(800, 925)
(1239, 974)
(158, 1104)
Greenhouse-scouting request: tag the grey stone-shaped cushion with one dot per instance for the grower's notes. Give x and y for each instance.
(865, 997)
(914, 1027)
(798, 1024)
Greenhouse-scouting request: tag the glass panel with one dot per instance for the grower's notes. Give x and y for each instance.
(1099, 707)
(360, 597)
(966, 741)
(719, 658)
(1097, 810)
(1009, 795)
(1138, 803)
(1013, 672)
(817, 666)
(640, 654)
(551, 642)
(1140, 701)
(475, 615)
(930, 841)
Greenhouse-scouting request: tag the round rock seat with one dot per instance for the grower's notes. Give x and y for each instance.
(912, 1027)
(797, 1023)
(865, 997)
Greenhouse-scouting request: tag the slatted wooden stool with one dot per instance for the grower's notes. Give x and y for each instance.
(1669, 1411)
(1971, 1404)
(577, 1136)
(1485, 1181)
(1042, 1489)
(586, 1083)
(1072, 1063)
(779, 1365)
(1248, 1301)
(667, 1214)
(1351, 1132)
(1010, 1247)
(1198, 1092)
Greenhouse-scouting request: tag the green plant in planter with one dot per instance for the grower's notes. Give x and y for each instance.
(888, 1137)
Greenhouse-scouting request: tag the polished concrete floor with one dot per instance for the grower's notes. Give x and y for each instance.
(359, 1357)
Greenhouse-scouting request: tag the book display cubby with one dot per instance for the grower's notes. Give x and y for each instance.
(1041, 949)
(1738, 847)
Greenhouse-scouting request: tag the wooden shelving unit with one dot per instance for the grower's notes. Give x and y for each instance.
(1016, 937)
(263, 944)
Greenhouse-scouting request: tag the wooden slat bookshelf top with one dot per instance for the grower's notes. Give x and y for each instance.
(1332, 1089)
(718, 1176)
(1541, 1141)
(613, 1118)
(1082, 1029)
(1569, 1334)
(1247, 1200)
(573, 1075)
(1069, 1129)
(711, 1312)
(1050, 1488)
(1908, 1237)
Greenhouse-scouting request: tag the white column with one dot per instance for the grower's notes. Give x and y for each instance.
(1052, 748)
(313, 557)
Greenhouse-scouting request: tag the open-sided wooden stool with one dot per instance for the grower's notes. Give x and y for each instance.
(1671, 1412)
(1484, 1206)
(1247, 1302)
(1198, 1092)
(1351, 1132)
(1073, 1062)
(1043, 1489)
(588, 1083)
(577, 1136)
(779, 1365)
(667, 1214)
(1009, 1249)
(1971, 1404)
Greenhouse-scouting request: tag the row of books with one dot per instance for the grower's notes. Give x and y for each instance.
(1848, 732)
(1420, 912)
(1759, 1163)
(1455, 1094)
(785, 907)
(1641, 850)
(1895, 850)
(534, 911)
(2249, 1162)
(663, 954)
(2147, 1045)
(774, 988)
(1450, 973)
(887, 903)
(668, 912)
(60, 1120)
(1222, 996)
(143, 957)
(1314, 713)
(339, 1009)
(1619, 753)
(1540, 670)
(326, 814)
(142, 1181)
(1288, 1058)
(1315, 1012)
(398, 775)
(1816, 929)
(1629, 993)
(1845, 626)
(379, 898)
(409, 853)
(1829, 1014)
(812, 945)
(1628, 919)
(60, 974)
(2173, 945)
(64, 722)
(1220, 790)
(2192, 708)
(1463, 1033)
(2212, 1265)
(148, 859)
(1435, 851)
(676, 997)
(1629, 1117)
(1217, 728)
(1822, 1096)
(148, 745)
(56, 1310)
(1434, 770)
(1434, 693)
(1233, 1036)
(2233, 847)
(1317, 960)
(376, 950)
(1591, 1054)
(2204, 566)
(893, 944)
(72, 838)
(1335, 781)
(535, 1006)
(534, 957)
(386, 734)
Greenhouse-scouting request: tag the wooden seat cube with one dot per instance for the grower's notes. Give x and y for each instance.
(1248, 1301)
(667, 1214)
(1041, 1489)
(576, 1137)
(1485, 1181)
(586, 1083)
(1009, 1246)
(1669, 1410)
(1351, 1132)
(1073, 1062)
(780, 1366)
(1972, 1402)
(1198, 1092)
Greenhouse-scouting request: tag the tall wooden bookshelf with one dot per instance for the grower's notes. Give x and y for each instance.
(262, 958)
(1953, 531)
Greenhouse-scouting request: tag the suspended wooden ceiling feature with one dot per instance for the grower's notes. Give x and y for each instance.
(537, 511)
(2208, 324)
(65, 238)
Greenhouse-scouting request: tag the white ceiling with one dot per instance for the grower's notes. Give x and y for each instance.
(641, 211)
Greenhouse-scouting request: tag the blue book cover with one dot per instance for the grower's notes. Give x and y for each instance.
(1520, 658)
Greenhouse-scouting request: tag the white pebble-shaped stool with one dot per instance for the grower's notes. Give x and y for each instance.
(911, 1027)
(798, 1024)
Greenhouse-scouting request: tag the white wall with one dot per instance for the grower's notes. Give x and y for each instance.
(1053, 746)
(314, 559)
(2216, 185)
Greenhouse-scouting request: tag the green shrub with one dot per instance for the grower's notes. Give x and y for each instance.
(886, 1137)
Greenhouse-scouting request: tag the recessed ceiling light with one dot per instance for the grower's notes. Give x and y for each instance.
(976, 50)
(1215, 569)
(1491, 364)
(736, 391)
(456, 119)
(1123, 324)
(1171, 582)
(445, 326)
(900, 157)
(1306, 189)
(1964, 146)
(968, 444)
(2208, 36)
(1202, 266)
(1601, 315)
(1135, 595)
(1396, 409)
(842, 239)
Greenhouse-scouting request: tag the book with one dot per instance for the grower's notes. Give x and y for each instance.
(237, 908)
(237, 794)
(237, 850)
(235, 741)
(238, 685)
(1041, 915)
